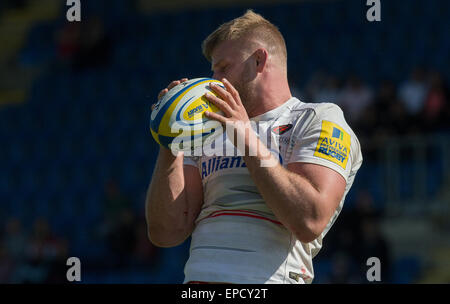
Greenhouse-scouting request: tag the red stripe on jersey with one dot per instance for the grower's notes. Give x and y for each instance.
(235, 210)
(220, 213)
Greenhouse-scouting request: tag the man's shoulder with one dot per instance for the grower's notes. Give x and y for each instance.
(319, 107)
(318, 110)
(312, 115)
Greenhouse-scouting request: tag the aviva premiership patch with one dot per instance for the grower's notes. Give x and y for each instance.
(333, 144)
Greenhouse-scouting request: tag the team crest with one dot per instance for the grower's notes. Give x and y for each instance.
(282, 129)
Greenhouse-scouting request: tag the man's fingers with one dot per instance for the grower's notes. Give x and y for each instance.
(232, 91)
(225, 107)
(224, 94)
(170, 86)
(215, 116)
(162, 93)
(176, 82)
(173, 83)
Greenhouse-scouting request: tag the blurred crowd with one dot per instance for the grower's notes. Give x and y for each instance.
(125, 231)
(34, 256)
(13, 4)
(418, 105)
(38, 254)
(355, 237)
(83, 45)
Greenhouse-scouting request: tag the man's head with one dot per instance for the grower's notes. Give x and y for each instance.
(249, 51)
(257, 31)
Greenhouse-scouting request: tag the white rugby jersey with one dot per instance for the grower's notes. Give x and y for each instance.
(237, 238)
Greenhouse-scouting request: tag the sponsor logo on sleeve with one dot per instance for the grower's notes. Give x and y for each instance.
(333, 144)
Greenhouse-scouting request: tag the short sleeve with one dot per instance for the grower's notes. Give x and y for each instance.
(326, 140)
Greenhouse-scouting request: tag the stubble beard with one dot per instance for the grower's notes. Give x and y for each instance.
(246, 93)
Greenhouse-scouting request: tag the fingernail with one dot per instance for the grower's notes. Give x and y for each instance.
(224, 79)
(206, 113)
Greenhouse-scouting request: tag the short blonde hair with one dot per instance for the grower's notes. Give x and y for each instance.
(250, 24)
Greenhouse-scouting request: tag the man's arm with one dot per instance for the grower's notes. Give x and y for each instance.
(173, 201)
(174, 196)
(303, 197)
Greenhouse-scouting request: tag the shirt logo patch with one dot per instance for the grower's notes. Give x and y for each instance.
(337, 133)
(294, 276)
(333, 144)
(282, 129)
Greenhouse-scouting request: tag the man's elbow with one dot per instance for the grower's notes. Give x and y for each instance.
(309, 232)
(161, 240)
(306, 236)
(158, 242)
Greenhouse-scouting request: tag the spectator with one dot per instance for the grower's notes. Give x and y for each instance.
(115, 202)
(412, 93)
(436, 103)
(42, 250)
(349, 232)
(391, 114)
(68, 42)
(355, 98)
(329, 92)
(95, 45)
(374, 244)
(343, 270)
(371, 242)
(365, 206)
(7, 265)
(315, 85)
(15, 240)
(43, 245)
(122, 238)
(57, 267)
(145, 253)
(383, 118)
(13, 4)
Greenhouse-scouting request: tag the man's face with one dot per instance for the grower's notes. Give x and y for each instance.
(231, 60)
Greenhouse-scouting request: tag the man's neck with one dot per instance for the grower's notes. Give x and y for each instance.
(269, 98)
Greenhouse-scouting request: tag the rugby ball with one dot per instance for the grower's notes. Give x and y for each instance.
(178, 122)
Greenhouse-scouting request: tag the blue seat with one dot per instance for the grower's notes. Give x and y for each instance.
(406, 270)
(322, 270)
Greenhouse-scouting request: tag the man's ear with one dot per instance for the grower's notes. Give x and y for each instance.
(261, 56)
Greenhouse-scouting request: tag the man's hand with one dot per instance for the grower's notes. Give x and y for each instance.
(166, 152)
(170, 86)
(236, 120)
(230, 103)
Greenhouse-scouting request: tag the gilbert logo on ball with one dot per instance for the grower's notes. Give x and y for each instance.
(178, 122)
